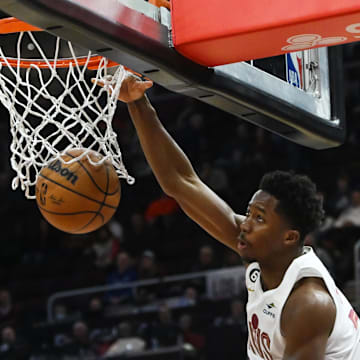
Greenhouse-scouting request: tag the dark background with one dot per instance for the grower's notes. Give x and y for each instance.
(37, 260)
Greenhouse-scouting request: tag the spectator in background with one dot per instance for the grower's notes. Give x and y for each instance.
(96, 306)
(328, 221)
(215, 177)
(163, 332)
(8, 312)
(11, 347)
(124, 329)
(237, 316)
(189, 297)
(95, 309)
(103, 338)
(60, 313)
(327, 252)
(125, 273)
(190, 127)
(116, 230)
(231, 259)
(80, 346)
(190, 335)
(227, 339)
(147, 269)
(350, 216)
(100, 335)
(191, 294)
(345, 233)
(105, 248)
(340, 199)
(206, 261)
(124, 341)
(162, 206)
(147, 266)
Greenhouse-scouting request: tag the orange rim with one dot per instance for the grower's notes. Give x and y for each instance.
(13, 25)
(159, 3)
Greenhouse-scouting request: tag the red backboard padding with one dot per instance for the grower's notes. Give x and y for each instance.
(213, 32)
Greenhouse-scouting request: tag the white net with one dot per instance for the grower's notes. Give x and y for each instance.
(54, 108)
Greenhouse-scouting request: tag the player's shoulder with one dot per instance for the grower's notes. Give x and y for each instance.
(309, 302)
(311, 292)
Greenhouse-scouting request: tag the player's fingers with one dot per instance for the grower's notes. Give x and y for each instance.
(98, 81)
(147, 84)
(108, 82)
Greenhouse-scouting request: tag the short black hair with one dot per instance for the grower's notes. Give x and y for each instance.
(298, 200)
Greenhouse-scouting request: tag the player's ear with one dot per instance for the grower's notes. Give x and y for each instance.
(292, 237)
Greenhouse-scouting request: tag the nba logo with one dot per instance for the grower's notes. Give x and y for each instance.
(294, 69)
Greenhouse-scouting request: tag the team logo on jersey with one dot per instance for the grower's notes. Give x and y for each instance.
(259, 341)
(267, 310)
(254, 274)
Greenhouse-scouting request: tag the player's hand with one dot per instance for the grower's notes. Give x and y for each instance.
(132, 87)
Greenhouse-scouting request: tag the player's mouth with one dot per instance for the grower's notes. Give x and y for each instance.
(242, 244)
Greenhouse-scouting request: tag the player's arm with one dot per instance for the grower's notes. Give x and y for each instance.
(178, 179)
(173, 169)
(307, 321)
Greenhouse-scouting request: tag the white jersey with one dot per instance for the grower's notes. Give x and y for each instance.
(264, 312)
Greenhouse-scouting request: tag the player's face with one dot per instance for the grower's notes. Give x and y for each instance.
(264, 231)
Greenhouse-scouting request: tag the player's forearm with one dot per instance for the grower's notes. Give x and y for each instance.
(168, 162)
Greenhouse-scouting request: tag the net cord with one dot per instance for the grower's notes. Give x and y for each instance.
(30, 148)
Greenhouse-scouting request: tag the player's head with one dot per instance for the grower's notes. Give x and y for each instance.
(280, 214)
(298, 201)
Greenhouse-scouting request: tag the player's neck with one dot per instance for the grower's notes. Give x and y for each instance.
(273, 272)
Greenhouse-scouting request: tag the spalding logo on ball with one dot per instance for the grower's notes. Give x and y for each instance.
(78, 197)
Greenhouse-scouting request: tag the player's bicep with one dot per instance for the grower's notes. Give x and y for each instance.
(314, 348)
(307, 322)
(208, 210)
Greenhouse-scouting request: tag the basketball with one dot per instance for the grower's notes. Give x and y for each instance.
(78, 197)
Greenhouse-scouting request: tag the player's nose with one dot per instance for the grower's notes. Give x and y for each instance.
(245, 226)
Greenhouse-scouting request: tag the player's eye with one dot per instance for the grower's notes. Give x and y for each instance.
(259, 218)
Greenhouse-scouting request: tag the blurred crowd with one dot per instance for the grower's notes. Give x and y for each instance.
(149, 238)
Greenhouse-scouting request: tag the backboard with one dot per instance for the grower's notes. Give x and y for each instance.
(138, 35)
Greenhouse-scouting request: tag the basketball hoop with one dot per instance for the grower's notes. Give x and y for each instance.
(53, 106)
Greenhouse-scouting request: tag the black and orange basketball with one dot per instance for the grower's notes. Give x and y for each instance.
(78, 197)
